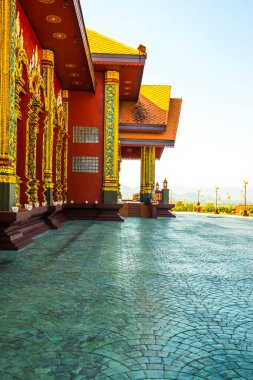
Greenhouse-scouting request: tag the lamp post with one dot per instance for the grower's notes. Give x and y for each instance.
(198, 203)
(245, 212)
(216, 199)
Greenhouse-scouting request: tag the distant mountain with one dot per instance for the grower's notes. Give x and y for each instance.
(207, 194)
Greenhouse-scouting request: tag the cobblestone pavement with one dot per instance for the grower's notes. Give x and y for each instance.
(144, 299)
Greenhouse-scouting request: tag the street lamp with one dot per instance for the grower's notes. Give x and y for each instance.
(198, 203)
(245, 212)
(216, 199)
(242, 196)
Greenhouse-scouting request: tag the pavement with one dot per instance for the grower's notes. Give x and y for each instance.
(143, 299)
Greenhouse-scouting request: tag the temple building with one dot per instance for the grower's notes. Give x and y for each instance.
(72, 106)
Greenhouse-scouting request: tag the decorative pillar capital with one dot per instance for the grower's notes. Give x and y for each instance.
(65, 96)
(48, 57)
(112, 76)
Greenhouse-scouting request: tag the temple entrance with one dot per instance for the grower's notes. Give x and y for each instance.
(130, 190)
(129, 180)
(140, 194)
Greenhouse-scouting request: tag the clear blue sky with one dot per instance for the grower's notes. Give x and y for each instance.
(203, 48)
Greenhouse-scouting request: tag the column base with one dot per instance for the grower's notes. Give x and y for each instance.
(145, 198)
(165, 196)
(49, 196)
(110, 196)
(7, 196)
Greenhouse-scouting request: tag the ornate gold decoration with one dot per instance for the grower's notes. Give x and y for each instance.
(19, 34)
(35, 79)
(111, 131)
(61, 147)
(32, 129)
(65, 97)
(71, 65)
(7, 86)
(53, 19)
(60, 36)
(128, 82)
(112, 77)
(48, 56)
(50, 104)
(147, 169)
(58, 166)
(7, 178)
(21, 59)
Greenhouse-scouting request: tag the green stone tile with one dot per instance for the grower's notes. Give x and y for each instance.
(146, 292)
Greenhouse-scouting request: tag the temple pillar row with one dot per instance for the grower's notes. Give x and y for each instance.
(147, 173)
(111, 138)
(7, 104)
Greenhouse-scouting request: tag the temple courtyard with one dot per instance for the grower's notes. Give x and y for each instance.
(143, 299)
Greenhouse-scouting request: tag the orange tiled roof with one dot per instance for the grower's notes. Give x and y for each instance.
(151, 107)
(141, 112)
(173, 117)
(170, 118)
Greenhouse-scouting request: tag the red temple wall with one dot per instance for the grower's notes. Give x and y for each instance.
(57, 86)
(86, 110)
(31, 41)
(30, 38)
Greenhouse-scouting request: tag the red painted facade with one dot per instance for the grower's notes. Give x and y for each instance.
(30, 38)
(86, 110)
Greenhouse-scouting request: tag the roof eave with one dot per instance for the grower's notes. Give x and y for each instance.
(156, 128)
(118, 58)
(147, 142)
(82, 28)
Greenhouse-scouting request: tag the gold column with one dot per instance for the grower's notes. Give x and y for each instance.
(65, 102)
(143, 174)
(48, 77)
(119, 160)
(7, 104)
(111, 138)
(147, 173)
(32, 130)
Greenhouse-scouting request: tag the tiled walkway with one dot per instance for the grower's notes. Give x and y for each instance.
(144, 299)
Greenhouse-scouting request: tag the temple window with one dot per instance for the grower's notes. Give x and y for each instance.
(85, 164)
(85, 135)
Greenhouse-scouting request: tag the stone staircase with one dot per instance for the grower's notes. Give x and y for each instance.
(133, 209)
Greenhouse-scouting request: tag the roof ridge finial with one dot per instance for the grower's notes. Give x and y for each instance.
(142, 49)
